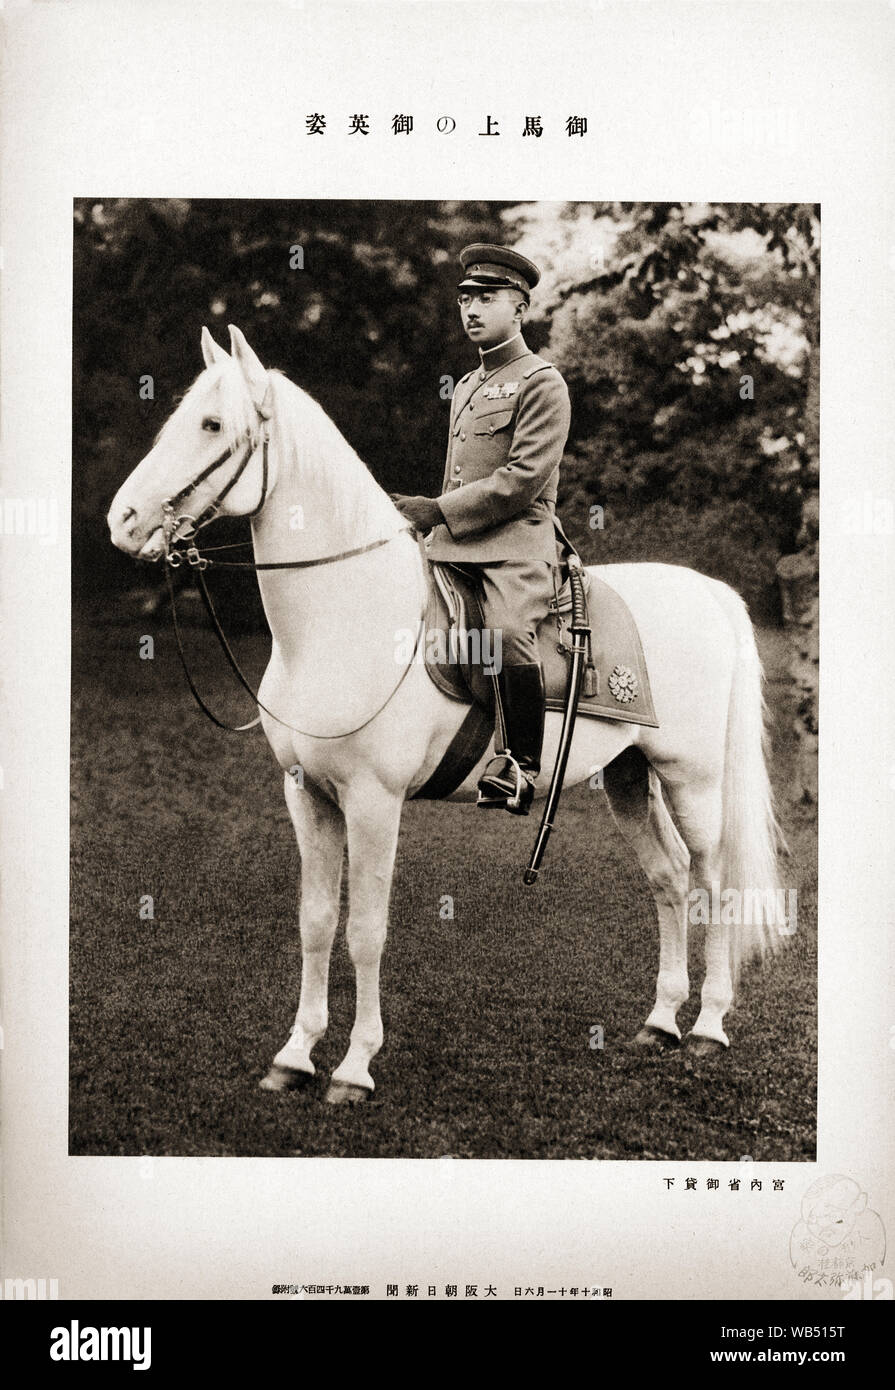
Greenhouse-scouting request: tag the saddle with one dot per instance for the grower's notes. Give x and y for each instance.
(458, 650)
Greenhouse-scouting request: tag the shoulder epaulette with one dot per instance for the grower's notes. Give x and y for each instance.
(538, 367)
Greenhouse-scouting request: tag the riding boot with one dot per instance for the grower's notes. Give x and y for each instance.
(508, 781)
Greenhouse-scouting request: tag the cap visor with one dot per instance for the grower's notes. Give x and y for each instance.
(487, 285)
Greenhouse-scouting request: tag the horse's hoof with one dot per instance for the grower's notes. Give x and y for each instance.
(656, 1038)
(703, 1047)
(285, 1079)
(341, 1093)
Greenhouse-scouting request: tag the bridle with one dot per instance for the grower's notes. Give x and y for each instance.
(172, 520)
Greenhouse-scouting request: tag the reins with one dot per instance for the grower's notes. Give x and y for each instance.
(202, 562)
(174, 557)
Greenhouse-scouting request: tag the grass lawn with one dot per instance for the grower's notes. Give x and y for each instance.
(488, 1017)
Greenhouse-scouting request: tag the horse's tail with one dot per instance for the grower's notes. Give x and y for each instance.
(750, 834)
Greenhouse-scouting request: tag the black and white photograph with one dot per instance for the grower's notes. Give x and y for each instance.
(446, 774)
(448, 475)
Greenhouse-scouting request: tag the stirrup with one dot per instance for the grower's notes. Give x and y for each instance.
(518, 804)
(499, 794)
(516, 799)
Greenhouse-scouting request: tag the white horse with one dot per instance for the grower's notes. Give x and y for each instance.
(335, 663)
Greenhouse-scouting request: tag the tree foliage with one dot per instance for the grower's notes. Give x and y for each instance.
(687, 334)
(355, 301)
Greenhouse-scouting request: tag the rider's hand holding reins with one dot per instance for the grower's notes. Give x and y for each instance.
(422, 512)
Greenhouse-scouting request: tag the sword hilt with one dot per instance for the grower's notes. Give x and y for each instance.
(578, 621)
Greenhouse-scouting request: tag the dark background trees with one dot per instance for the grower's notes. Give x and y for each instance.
(367, 326)
(687, 334)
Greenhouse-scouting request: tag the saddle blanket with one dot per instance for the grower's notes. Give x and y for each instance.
(458, 648)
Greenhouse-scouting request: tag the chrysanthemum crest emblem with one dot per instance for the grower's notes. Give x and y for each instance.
(623, 684)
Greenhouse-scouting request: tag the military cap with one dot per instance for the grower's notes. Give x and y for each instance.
(497, 267)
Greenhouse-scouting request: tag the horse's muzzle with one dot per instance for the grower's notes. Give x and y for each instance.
(128, 535)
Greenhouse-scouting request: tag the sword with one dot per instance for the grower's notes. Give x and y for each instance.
(580, 632)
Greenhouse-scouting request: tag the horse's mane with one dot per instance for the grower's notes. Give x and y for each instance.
(312, 450)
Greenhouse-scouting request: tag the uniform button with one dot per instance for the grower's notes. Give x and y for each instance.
(456, 468)
(490, 429)
(462, 435)
(481, 376)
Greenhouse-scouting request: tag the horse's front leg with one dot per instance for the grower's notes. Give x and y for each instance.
(320, 832)
(373, 815)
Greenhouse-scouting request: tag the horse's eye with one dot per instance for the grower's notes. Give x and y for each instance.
(213, 426)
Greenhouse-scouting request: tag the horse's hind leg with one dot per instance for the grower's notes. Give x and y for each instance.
(698, 809)
(635, 795)
(320, 832)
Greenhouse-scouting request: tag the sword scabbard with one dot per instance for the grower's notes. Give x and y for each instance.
(579, 629)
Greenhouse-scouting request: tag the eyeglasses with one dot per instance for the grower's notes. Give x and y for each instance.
(482, 297)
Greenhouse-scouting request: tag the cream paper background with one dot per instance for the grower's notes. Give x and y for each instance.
(198, 100)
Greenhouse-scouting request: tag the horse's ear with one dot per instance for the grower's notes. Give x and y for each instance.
(211, 351)
(252, 370)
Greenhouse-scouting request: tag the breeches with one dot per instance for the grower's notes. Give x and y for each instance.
(516, 597)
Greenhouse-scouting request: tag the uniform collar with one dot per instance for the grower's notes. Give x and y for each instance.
(499, 356)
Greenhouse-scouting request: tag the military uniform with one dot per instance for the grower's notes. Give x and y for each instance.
(509, 425)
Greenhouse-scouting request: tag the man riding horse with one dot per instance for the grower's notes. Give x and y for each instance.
(495, 515)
